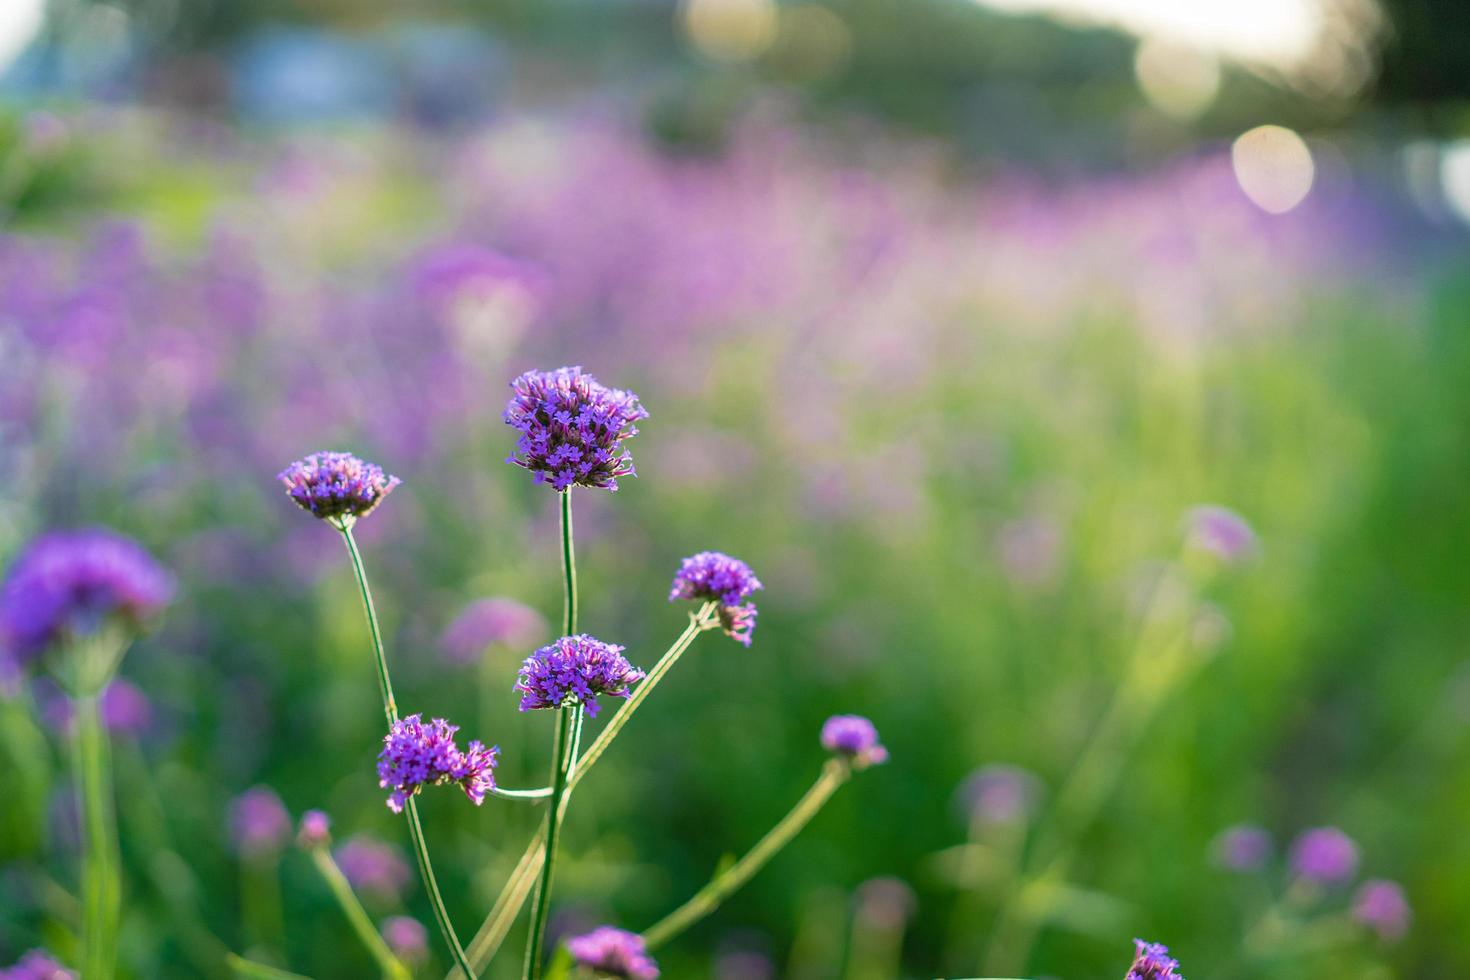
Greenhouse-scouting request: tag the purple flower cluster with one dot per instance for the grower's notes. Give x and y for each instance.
(1380, 905)
(613, 953)
(407, 938)
(315, 830)
(1220, 531)
(854, 738)
(999, 794)
(71, 583)
(572, 428)
(416, 755)
(337, 487)
(575, 669)
(1242, 848)
(490, 622)
(713, 576)
(259, 822)
(1151, 961)
(374, 867)
(37, 965)
(1324, 856)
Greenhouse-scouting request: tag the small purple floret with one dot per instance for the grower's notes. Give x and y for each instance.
(259, 822)
(37, 965)
(315, 830)
(73, 583)
(572, 428)
(575, 669)
(337, 487)
(614, 953)
(1243, 848)
(1380, 905)
(855, 738)
(1222, 532)
(1324, 856)
(712, 576)
(416, 755)
(407, 938)
(1151, 961)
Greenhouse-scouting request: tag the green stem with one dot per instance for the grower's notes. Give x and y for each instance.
(100, 884)
(539, 793)
(259, 971)
(357, 916)
(411, 811)
(708, 898)
(568, 568)
(497, 924)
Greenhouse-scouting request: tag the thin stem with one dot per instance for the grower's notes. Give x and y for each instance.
(259, 971)
(568, 567)
(567, 733)
(411, 811)
(708, 898)
(539, 793)
(497, 924)
(100, 884)
(357, 916)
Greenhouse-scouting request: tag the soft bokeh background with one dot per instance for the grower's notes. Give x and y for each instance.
(946, 314)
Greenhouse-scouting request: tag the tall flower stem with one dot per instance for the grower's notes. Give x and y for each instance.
(564, 756)
(357, 916)
(100, 887)
(497, 924)
(708, 898)
(411, 810)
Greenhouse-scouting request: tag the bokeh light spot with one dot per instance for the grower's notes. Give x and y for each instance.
(729, 30)
(1274, 167)
(1178, 79)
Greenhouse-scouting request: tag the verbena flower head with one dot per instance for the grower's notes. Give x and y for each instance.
(259, 822)
(712, 576)
(37, 965)
(70, 584)
(1220, 531)
(575, 669)
(855, 738)
(611, 952)
(1380, 905)
(490, 622)
(336, 487)
(315, 829)
(1324, 856)
(1151, 961)
(572, 428)
(374, 867)
(999, 794)
(1243, 848)
(407, 938)
(416, 755)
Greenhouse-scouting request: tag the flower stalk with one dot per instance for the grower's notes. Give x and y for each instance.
(100, 884)
(391, 967)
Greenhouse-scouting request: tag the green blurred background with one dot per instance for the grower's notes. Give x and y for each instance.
(947, 315)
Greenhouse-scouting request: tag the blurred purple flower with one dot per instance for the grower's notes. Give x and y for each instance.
(374, 867)
(572, 428)
(124, 708)
(315, 830)
(712, 576)
(490, 622)
(854, 738)
(337, 487)
(1380, 905)
(886, 903)
(407, 938)
(1324, 856)
(999, 794)
(613, 953)
(37, 965)
(72, 583)
(1242, 848)
(1151, 961)
(1221, 531)
(1029, 550)
(416, 755)
(743, 964)
(575, 669)
(259, 822)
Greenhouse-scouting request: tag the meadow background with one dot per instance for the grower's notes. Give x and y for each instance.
(944, 326)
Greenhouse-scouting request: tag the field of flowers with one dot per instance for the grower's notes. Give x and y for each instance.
(1133, 517)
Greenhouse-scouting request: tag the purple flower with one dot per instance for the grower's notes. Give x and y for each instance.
(614, 953)
(1324, 856)
(855, 738)
(1220, 531)
(712, 576)
(336, 487)
(1242, 848)
(259, 822)
(572, 428)
(72, 583)
(885, 903)
(407, 938)
(124, 708)
(1380, 905)
(37, 965)
(416, 755)
(999, 794)
(315, 830)
(373, 866)
(575, 669)
(1151, 961)
(490, 622)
